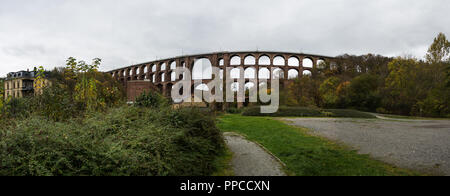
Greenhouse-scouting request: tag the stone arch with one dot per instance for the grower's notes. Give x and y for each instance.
(279, 61)
(202, 69)
(137, 70)
(321, 64)
(278, 73)
(146, 69)
(294, 62)
(264, 60)
(250, 73)
(308, 62)
(173, 65)
(263, 73)
(162, 77)
(235, 60)
(163, 67)
(235, 73)
(250, 60)
(307, 73)
(154, 68)
(173, 76)
(292, 74)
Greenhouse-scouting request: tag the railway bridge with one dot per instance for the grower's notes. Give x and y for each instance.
(257, 65)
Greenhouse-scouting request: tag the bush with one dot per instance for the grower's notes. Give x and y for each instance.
(150, 99)
(308, 112)
(124, 141)
(233, 110)
(17, 108)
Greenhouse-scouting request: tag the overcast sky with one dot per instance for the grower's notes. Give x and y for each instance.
(125, 32)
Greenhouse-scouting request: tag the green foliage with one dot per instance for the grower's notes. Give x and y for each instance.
(151, 99)
(439, 51)
(57, 104)
(16, 108)
(2, 94)
(404, 86)
(363, 92)
(308, 112)
(124, 141)
(234, 110)
(328, 90)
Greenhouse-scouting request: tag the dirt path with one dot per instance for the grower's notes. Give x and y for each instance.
(423, 145)
(249, 159)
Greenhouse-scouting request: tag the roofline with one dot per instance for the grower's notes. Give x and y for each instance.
(223, 52)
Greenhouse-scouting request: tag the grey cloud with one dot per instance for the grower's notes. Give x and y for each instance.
(46, 32)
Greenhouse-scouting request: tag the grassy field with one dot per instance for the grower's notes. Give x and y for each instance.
(304, 154)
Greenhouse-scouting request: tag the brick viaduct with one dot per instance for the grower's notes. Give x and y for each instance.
(159, 74)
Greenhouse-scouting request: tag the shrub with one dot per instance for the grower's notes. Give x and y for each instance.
(150, 99)
(124, 141)
(17, 108)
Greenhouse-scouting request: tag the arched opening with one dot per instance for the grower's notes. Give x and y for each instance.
(173, 76)
(221, 62)
(130, 72)
(292, 74)
(321, 64)
(278, 73)
(358, 69)
(145, 69)
(250, 73)
(202, 69)
(154, 68)
(163, 77)
(163, 67)
(264, 60)
(279, 61)
(137, 70)
(154, 78)
(173, 65)
(235, 60)
(308, 63)
(264, 73)
(235, 73)
(293, 62)
(249, 60)
(307, 73)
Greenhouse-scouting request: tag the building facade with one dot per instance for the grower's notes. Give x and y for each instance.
(21, 84)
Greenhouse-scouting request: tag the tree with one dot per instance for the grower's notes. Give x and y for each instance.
(86, 86)
(39, 81)
(2, 93)
(363, 92)
(328, 92)
(439, 51)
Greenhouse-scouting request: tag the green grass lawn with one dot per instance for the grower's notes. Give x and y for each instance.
(304, 154)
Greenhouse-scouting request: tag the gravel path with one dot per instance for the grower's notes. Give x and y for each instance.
(422, 145)
(249, 159)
